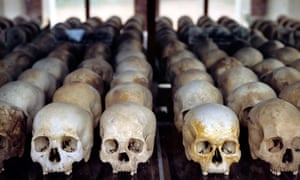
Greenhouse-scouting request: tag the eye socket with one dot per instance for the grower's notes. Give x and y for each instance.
(135, 145)
(296, 144)
(203, 147)
(229, 147)
(274, 144)
(3, 142)
(41, 144)
(111, 145)
(69, 144)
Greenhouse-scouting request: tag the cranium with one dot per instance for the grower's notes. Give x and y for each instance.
(267, 66)
(235, 77)
(62, 134)
(210, 137)
(41, 79)
(125, 54)
(191, 94)
(243, 98)
(274, 135)
(291, 93)
(129, 92)
(127, 131)
(296, 64)
(12, 132)
(211, 57)
(286, 55)
(83, 95)
(85, 75)
(249, 56)
(25, 96)
(53, 66)
(269, 47)
(130, 76)
(282, 77)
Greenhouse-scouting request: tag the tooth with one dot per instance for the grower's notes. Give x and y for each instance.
(204, 173)
(295, 172)
(277, 173)
(226, 173)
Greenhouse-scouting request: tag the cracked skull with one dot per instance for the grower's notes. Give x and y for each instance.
(274, 135)
(210, 137)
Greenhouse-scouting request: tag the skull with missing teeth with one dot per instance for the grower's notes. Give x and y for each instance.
(62, 135)
(274, 135)
(210, 137)
(128, 131)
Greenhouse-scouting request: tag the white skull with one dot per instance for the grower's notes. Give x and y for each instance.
(211, 57)
(274, 135)
(291, 93)
(62, 134)
(129, 92)
(41, 79)
(243, 98)
(25, 96)
(210, 137)
(85, 75)
(83, 95)
(192, 94)
(127, 131)
(287, 55)
(53, 66)
(267, 66)
(235, 77)
(12, 132)
(130, 76)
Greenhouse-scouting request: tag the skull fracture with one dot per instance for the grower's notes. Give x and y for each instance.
(274, 135)
(128, 131)
(210, 137)
(62, 134)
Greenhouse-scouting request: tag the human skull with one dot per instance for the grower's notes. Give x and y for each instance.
(248, 56)
(129, 92)
(53, 66)
(268, 47)
(211, 57)
(296, 64)
(274, 135)
(27, 97)
(41, 79)
(267, 66)
(287, 55)
(191, 94)
(130, 77)
(235, 77)
(243, 98)
(85, 75)
(210, 137)
(291, 93)
(127, 131)
(83, 95)
(62, 134)
(12, 132)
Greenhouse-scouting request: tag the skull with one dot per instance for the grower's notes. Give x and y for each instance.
(235, 77)
(53, 66)
(190, 75)
(74, 93)
(123, 55)
(85, 75)
(210, 137)
(211, 57)
(41, 79)
(12, 132)
(128, 131)
(130, 77)
(25, 96)
(249, 56)
(286, 55)
(296, 64)
(62, 134)
(243, 98)
(274, 135)
(191, 94)
(267, 66)
(291, 93)
(129, 92)
(269, 47)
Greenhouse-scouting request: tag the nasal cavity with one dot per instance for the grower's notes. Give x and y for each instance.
(288, 156)
(217, 158)
(54, 155)
(123, 157)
